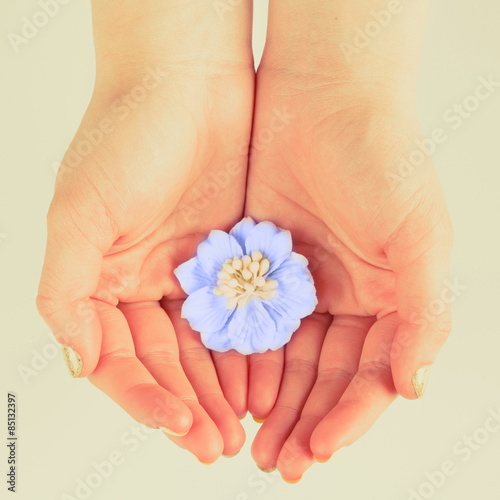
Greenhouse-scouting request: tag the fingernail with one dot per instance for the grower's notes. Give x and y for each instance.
(420, 380)
(241, 418)
(171, 432)
(322, 461)
(266, 470)
(258, 420)
(73, 360)
(231, 456)
(294, 481)
(204, 463)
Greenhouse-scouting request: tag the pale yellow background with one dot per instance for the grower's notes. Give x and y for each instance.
(65, 425)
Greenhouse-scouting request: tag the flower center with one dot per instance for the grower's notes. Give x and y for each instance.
(243, 278)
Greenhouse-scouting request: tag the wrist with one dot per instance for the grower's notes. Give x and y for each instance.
(183, 37)
(375, 41)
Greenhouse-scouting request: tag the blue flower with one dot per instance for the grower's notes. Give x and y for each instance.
(246, 290)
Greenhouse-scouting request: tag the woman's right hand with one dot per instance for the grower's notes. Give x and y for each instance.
(159, 160)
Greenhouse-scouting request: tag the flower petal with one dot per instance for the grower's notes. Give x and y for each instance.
(295, 265)
(242, 230)
(285, 327)
(296, 295)
(205, 311)
(275, 244)
(218, 341)
(251, 328)
(192, 277)
(216, 249)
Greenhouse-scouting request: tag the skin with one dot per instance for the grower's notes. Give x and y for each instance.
(139, 203)
(136, 207)
(378, 249)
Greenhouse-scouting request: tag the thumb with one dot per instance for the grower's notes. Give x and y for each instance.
(420, 260)
(79, 233)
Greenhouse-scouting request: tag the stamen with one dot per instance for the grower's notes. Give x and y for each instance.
(260, 281)
(222, 275)
(271, 284)
(254, 267)
(264, 267)
(240, 279)
(246, 274)
(228, 291)
(232, 302)
(256, 256)
(228, 268)
(233, 283)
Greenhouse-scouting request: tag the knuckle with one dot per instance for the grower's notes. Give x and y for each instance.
(164, 358)
(335, 374)
(195, 353)
(46, 306)
(304, 367)
(375, 369)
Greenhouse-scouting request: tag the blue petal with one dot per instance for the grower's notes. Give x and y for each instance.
(293, 267)
(275, 244)
(251, 328)
(296, 295)
(285, 327)
(242, 229)
(216, 249)
(218, 341)
(192, 277)
(205, 311)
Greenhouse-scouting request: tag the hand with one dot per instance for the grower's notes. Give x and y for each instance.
(137, 204)
(378, 242)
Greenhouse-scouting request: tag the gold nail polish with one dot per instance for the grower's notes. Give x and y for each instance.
(171, 433)
(272, 469)
(231, 456)
(420, 380)
(73, 360)
(290, 481)
(258, 420)
(322, 461)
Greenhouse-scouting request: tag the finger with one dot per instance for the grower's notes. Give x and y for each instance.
(301, 362)
(424, 295)
(370, 392)
(264, 378)
(126, 380)
(79, 234)
(338, 362)
(199, 368)
(232, 371)
(203, 440)
(156, 346)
